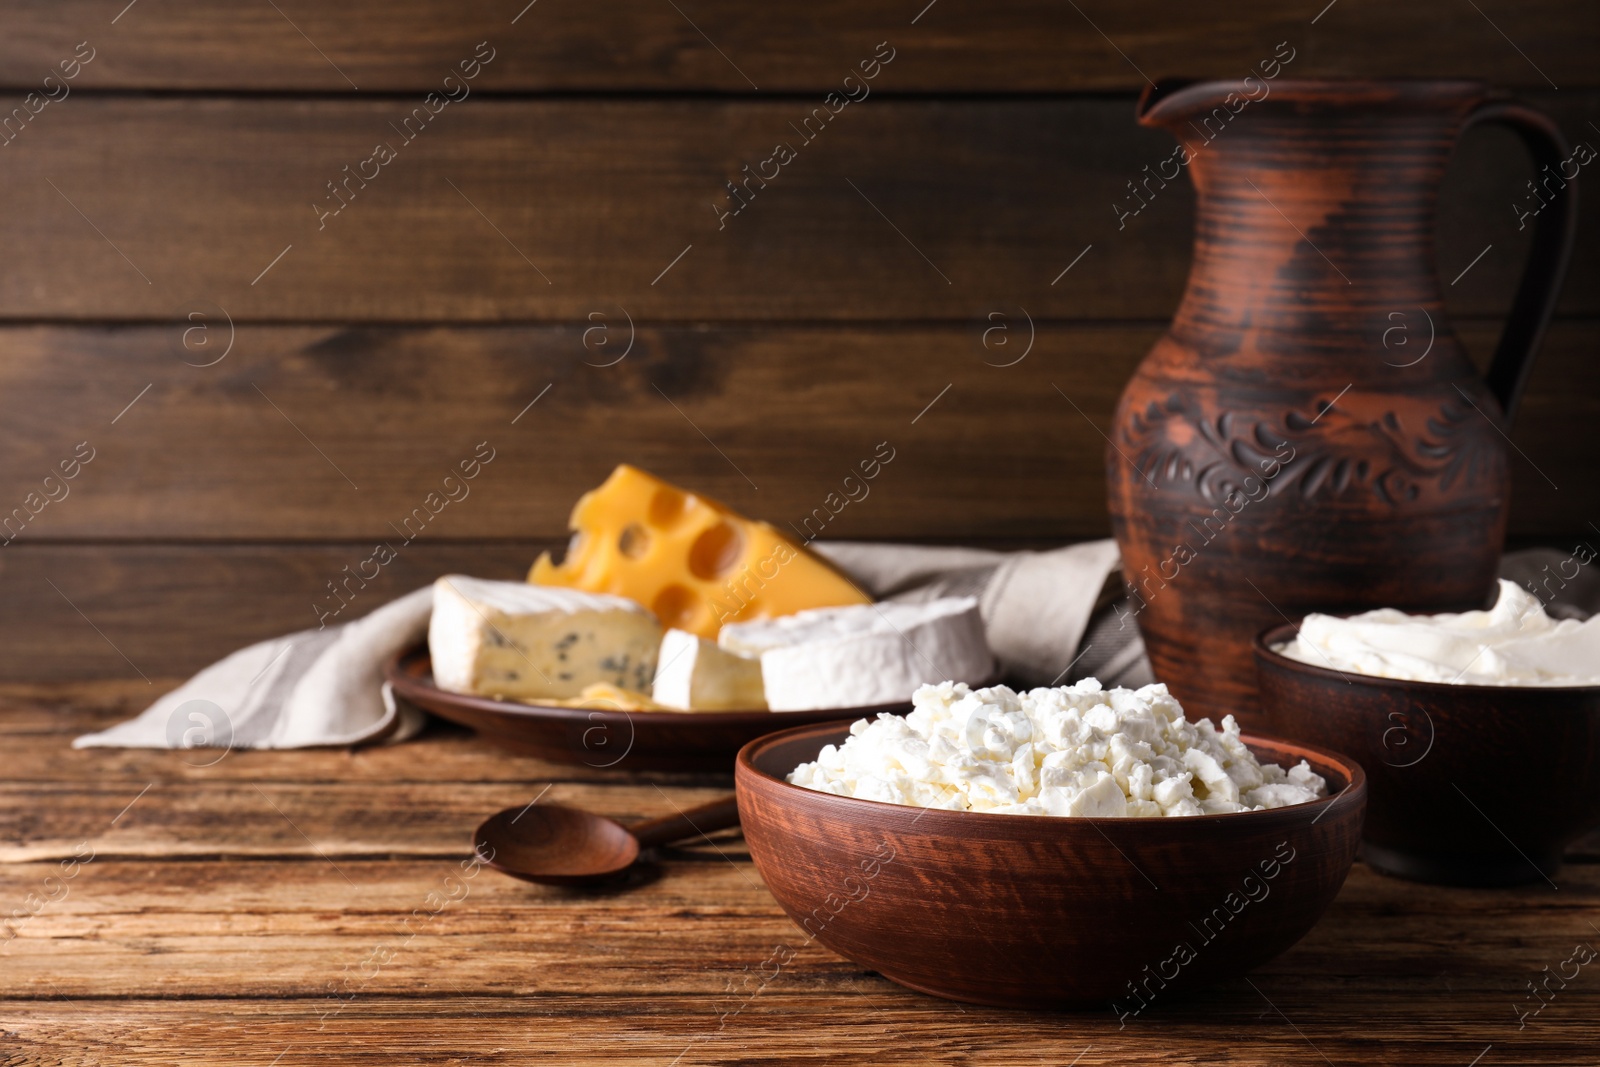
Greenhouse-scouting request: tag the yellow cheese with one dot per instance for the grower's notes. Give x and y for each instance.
(602, 696)
(690, 560)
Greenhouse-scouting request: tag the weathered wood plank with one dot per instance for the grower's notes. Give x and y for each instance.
(37, 730)
(1012, 45)
(1428, 971)
(305, 905)
(393, 412)
(167, 610)
(322, 434)
(297, 947)
(326, 820)
(554, 209)
(300, 816)
(893, 1027)
(37, 723)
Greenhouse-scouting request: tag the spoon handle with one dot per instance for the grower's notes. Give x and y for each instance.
(704, 819)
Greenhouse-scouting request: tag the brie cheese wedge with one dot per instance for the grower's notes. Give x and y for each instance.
(695, 675)
(511, 639)
(865, 654)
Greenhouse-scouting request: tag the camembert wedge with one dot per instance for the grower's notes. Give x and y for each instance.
(865, 655)
(693, 674)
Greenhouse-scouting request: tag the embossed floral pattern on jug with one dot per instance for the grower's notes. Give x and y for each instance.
(1273, 455)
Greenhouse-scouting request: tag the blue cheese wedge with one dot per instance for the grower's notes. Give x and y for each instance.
(864, 654)
(695, 675)
(521, 641)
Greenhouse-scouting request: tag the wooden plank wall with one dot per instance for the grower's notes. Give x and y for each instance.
(253, 387)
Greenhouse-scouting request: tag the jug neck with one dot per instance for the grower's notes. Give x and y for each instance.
(1316, 202)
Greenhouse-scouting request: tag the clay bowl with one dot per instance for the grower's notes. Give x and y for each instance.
(1473, 785)
(1035, 911)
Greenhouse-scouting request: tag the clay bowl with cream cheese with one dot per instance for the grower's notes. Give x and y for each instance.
(1476, 785)
(1044, 912)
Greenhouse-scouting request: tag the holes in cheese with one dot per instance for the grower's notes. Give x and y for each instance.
(691, 560)
(634, 541)
(716, 552)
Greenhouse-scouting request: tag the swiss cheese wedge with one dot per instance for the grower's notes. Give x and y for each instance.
(690, 560)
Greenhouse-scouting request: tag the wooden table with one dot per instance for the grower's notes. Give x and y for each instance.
(313, 907)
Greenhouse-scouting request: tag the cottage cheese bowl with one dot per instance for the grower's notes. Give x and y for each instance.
(1015, 907)
(1078, 750)
(1482, 774)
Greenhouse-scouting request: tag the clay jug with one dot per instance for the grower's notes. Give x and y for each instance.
(1279, 451)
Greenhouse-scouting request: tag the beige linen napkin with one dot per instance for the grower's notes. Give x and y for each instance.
(1036, 606)
(315, 687)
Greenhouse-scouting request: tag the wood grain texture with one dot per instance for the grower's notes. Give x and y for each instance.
(329, 819)
(171, 609)
(260, 446)
(232, 958)
(218, 452)
(147, 208)
(41, 718)
(208, 469)
(178, 928)
(38, 717)
(1010, 46)
(1422, 1020)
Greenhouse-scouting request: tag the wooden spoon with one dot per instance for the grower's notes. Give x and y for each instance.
(554, 845)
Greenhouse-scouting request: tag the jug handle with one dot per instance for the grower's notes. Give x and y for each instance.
(1553, 235)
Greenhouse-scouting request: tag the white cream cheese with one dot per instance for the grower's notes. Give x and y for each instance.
(1076, 750)
(1514, 643)
(862, 654)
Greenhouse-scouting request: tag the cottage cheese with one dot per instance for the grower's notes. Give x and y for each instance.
(1514, 643)
(1078, 750)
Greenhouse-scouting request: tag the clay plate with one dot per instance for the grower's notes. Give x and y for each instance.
(607, 740)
